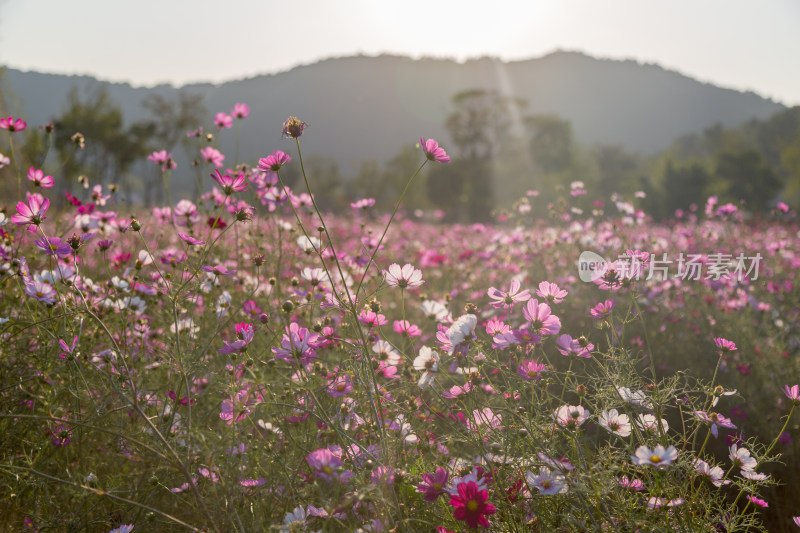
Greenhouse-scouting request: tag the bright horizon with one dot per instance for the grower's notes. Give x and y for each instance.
(734, 44)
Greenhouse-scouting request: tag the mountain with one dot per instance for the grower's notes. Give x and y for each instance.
(364, 107)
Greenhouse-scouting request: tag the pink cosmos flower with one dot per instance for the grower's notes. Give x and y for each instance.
(433, 485)
(531, 369)
(340, 386)
(470, 504)
(237, 409)
(364, 203)
(298, 345)
(406, 277)
(433, 151)
(212, 155)
(13, 125)
(240, 110)
(371, 318)
(219, 270)
(190, 240)
(54, 246)
(495, 326)
(124, 528)
(541, 320)
(569, 347)
(68, 349)
(223, 120)
(327, 466)
(159, 157)
(32, 213)
(273, 162)
(633, 484)
(458, 390)
(39, 179)
(404, 327)
(793, 393)
(514, 295)
(716, 420)
(551, 292)
(602, 309)
(44, 292)
(724, 345)
(230, 184)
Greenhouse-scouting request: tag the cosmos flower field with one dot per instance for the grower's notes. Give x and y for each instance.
(243, 362)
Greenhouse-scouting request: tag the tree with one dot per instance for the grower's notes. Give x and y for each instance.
(110, 149)
(481, 126)
(745, 175)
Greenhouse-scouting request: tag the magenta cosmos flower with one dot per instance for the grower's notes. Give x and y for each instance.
(245, 334)
(31, 214)
(230, 184)
(274, 161)
(757, 501)
(432, 485)
(12, 124)
(433, 151)
(406, 277)
(470, 505)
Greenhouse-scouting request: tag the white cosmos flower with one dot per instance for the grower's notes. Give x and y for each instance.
(658, 456)
(461, 330)
(741, 457)
(546, 482)
(616, 423)
(428, 362)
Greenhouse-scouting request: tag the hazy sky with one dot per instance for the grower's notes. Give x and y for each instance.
(740, 44)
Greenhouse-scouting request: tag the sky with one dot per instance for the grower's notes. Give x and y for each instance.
(739, 44)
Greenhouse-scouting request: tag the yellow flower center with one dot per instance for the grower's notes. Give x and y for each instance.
(472, 505)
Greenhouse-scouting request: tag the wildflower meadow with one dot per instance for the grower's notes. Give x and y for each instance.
(240, 360)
